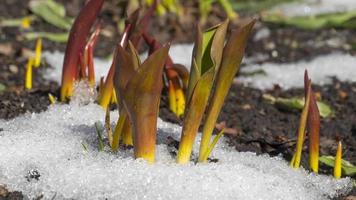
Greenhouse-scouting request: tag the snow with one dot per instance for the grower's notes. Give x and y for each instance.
(315, 7)
(51, 144)
(180, 54)
(321, 70)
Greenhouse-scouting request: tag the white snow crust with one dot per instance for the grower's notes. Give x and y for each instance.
(315, 7)
(321, 70)
(51, 143)
(180, 54)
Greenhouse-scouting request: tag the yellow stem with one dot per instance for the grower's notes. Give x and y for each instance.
(172, 98)
(301, 131)
(180, 102)
(212, 145)
(118, 131)
(51, 99)
(38, 52)
(338, 159)
(28, 74)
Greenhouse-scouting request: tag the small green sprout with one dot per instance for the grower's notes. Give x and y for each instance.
(100, 138)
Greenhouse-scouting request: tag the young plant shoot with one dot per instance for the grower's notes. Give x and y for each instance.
(38, 52)
(338, 161)
(28, 74)
(313, 127)
(295, 162)
(76, 45)
(138, 86)
(213, 66)
(310, 123)
(205, 62)
(232, 57)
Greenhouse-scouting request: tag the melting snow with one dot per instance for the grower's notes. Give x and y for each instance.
(315, 7)
(321, 70)
(50, 144)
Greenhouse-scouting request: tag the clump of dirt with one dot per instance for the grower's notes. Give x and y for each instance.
(5, 194)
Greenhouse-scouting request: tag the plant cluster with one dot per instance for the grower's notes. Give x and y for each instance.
(310, 124)
(136, 86)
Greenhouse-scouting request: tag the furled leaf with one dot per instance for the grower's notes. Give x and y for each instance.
(193, 116)
(231, 59)
(204, 56)
(205, 63)
(141, 100)
(313, 127)
(295, 163)
(76, 44)
(52, 12)
(348, 168)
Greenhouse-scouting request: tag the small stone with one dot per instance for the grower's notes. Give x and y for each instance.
(246, 107)
(274, 53)
(14, 69)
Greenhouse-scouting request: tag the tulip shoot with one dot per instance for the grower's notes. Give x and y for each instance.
(313, 127)
(295, 162)
(38, 52)
(28, 74)
(139, 89)
(51, 99)
(338, 159)
(205, 63)
(232, 57)
(76, 45)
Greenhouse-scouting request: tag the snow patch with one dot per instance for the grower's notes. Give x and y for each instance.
(321, 70)
(315, 7)
(59, 148)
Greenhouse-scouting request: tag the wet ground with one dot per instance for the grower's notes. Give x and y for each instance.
(253, 123)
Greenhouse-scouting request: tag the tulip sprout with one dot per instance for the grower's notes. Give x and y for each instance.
(28, 74)
(310, 121)
(136, 87)
(338, 161)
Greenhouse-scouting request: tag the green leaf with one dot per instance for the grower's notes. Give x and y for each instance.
(207, 53)
(51, 12)
(55, 37)
(100, 138)
(14, 21)
(256, 5)
(2, 88)
(298, 103)
(348, 169)
(345, 20)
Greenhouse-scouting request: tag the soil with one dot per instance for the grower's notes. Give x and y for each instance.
(253, 123)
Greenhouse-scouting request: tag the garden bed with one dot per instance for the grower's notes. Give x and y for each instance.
(254, 124)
